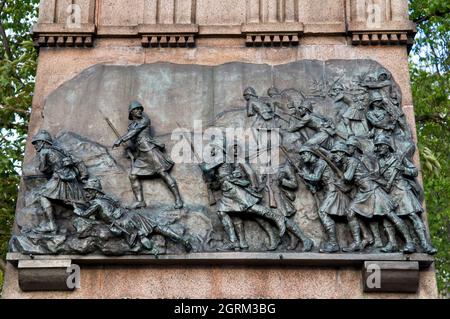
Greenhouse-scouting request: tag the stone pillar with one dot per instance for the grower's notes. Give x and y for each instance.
(137, 49)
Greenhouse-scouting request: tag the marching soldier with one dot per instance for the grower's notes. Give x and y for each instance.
(284, 191)
(396, 170)
(355, 149)
(319, 176)
(370, 199)
(237, 196)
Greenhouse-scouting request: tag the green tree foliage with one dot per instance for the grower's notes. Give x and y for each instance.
(17, 71)
(430, 76)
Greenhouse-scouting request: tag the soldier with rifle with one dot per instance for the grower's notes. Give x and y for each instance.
(149, 159)
(65, 178)
(370, 200)
(398, 173)
(302, 117)
(319, 176)
(237, 197)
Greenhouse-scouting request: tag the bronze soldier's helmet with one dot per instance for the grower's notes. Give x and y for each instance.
(44, 136)
(305, 148)
(273, 91)
(353, 141)
(94, 184)
(340, 147)
(250, 91)
(307, 105)
(375, 96)
(383, 139)
(134, 105)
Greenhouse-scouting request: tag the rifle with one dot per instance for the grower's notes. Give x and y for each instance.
(397, 171)
(329, 162)
(297, 170)
(206, 177)
(130, 155)
(336, 132)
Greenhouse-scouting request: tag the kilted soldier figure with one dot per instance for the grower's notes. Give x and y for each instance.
(284, 192)
(133, 225)
(399, 173)
(355, 149)
(149, 159)
(370, 199)
(65, 177)
(319, 176)
(237, 197)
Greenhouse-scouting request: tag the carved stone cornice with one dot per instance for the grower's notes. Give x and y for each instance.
(168, 35)
(272, 34)
(59, 35)
(381, 38)
(172, 40)
(257, 22)
(64, 40)
(272, 39)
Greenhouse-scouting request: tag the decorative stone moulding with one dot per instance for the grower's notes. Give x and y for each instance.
(64, 40)
(59, 35)
(170, 35)
(287, 39)
(173, 41)
(381, 38)
(272, 34)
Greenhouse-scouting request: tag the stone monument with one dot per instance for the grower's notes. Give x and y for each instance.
(221, 149)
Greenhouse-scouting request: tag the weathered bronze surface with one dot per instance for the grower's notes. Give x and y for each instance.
(342, 178)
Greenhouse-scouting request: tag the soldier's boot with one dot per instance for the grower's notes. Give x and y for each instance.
(240, 230)
(331, 245)
(419, 227)
(378, 243)
(273, 215)
(173, 187)
(176, 193)
(274, 239)
(409, 247)
(136, 186)
(367, 238)
(293, 241)
(50, 224)
(356, 233)
(295, 229)
(167, 232)
(229, 230)
(391, 246)
(147, 243)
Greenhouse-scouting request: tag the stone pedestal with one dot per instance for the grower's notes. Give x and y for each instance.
(116, 37)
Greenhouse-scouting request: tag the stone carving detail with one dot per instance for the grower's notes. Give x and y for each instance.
(64, 40)
(383, 38)
(344, 173)
(173, 41)
(272, 39)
